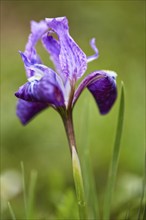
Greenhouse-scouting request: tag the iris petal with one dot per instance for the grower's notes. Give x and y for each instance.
(72, 59)
(53, 48)
(102, 85)
(27, 110)
(48, 89)
(37, 30)
(94, 56)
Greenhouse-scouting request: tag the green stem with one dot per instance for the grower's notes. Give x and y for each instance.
(68, 124)
(77, 174)
(79, 184)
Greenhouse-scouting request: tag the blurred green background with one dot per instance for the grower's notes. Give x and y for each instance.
(118, 27)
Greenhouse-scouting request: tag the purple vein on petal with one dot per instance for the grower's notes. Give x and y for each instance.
(72, 59)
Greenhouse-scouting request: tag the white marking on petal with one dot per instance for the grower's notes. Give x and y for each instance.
(67, 92)
(111, 73)
(38, 74)
(31, 87)
(35, 77)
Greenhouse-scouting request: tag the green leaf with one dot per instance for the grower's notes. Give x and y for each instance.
(11, 211)
(142, 211)
(115, 157)
(28, 199)
(31, 194)
(89, 179)
(24, 189)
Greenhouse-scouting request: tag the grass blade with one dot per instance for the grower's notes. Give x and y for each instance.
(11, 211)
(141, 211)
(31, 194)
(24, 189)
(89, 180)
(92, 193)
(115, 157)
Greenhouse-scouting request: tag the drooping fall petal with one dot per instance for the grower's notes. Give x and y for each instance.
(44, 86)
(102, 85)
(27, 110)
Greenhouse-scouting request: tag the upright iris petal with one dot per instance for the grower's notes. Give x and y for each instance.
(53, 48)
(37, 29)
(45, 87)
(72, 59)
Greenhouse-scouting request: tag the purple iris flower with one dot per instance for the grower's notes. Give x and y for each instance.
(48, 88)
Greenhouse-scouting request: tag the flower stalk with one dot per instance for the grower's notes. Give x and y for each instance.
(77, 173)
(68, 124)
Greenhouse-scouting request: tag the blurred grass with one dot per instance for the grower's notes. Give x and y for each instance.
(119, 29)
